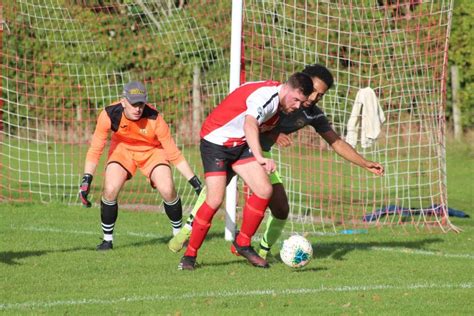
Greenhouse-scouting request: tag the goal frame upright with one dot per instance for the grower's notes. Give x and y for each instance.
(234, 82)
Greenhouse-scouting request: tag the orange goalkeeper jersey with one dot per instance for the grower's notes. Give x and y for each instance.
(150, 131)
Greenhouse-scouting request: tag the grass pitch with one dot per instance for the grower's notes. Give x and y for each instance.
(48, 265)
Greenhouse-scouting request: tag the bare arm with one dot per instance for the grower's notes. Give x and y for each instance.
(174, 155)
(346, 151)
(284, 140)
(90, 167)
(185, 169)
(252, 136)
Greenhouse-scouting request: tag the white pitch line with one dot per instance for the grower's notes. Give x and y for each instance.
(224, 294)
(83, 232)
(423, 252)
(405, 250)
(151, 235)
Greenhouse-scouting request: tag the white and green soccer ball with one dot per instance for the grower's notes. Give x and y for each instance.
(296, 251)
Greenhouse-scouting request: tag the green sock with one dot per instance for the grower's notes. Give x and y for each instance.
(201, 199)
(273, 232)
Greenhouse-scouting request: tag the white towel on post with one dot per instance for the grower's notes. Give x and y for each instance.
(369, 121)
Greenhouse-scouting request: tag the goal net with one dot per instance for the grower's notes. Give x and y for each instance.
(65, 60)
(397, 48)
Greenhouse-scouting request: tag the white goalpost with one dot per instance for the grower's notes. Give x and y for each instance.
(234, 82)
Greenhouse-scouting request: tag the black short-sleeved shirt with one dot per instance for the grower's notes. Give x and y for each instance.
(289, 123)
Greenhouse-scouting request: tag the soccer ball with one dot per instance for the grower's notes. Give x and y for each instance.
(296, 251)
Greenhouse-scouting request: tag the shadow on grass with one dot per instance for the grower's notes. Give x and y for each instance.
(337, 250)
(306, 269)
(164, 240)
(244, 262)
(204, 264)
(11, 257)
(148, 242)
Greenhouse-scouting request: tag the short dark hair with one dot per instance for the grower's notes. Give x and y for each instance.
(301, 81)
(321, 72)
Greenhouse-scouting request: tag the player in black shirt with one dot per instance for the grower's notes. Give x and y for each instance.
(309, 114)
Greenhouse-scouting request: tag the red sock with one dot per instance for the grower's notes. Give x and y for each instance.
(201, 225)
(254, 211)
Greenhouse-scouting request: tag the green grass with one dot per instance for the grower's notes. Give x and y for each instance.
(52, 173)
(460, 170)
(48, 265)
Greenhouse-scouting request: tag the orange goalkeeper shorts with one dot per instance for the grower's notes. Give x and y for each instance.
(129, 159)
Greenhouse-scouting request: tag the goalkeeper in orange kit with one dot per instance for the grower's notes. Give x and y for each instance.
(141, 139)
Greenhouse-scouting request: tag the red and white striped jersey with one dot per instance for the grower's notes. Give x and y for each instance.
(225, 125)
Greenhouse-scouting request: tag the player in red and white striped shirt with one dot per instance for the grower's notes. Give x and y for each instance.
(230, 145)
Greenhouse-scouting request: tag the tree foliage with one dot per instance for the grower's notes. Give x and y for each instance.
(461, 54)
(105, 43)
(75, 56)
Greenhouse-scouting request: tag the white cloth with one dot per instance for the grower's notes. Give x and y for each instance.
(369, 121)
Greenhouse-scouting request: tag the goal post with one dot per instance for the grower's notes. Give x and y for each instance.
(234, 82)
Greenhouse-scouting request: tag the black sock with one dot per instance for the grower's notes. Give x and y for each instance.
(108, 216)
(174, 210)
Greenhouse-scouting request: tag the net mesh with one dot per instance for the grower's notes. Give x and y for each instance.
(65, 60)
(398, 49)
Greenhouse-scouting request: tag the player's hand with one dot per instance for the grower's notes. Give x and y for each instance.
(85, 188)
(284, 140)
(196, 184)
(267, 164)
(375, 168)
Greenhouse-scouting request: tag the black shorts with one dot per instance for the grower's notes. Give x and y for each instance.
(218, 160)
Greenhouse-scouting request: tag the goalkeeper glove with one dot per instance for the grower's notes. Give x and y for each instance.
(84, 189)
(196, 184)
